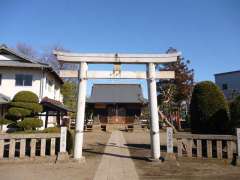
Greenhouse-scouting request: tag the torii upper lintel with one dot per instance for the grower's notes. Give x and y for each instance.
(66, 57)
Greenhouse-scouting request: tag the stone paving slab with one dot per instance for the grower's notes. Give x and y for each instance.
(116, 163)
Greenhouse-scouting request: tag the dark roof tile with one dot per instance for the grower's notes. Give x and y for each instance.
(116, 93)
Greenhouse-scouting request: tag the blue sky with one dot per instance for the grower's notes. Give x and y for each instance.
(206, 31)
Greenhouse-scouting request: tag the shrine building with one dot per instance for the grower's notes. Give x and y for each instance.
(116, 103)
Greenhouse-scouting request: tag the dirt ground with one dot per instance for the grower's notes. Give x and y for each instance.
(183, 168)
(138, 144)
(93, 147)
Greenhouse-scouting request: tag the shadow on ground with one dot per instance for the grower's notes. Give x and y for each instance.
(91, 151)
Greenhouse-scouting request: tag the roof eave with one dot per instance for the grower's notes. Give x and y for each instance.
(225, 73)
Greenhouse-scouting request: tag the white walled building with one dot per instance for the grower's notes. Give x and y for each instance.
(229, 83)
(20, 73)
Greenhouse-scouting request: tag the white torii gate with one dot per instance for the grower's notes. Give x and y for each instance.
(117, 59)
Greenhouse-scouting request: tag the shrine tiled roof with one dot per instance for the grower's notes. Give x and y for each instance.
(116, 93)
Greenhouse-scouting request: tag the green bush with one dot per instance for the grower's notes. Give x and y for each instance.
(5, 121)
(52, 130)
(24, 104)
(18, 112)
(30, 123)
(26, 96)
(235, 113)
(34, 107)
(209, 111)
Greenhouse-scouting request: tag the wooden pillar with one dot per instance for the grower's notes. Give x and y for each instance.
(58, 119)
(154, 124)
(80, 111)
(46, 119)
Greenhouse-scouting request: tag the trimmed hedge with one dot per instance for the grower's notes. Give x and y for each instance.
(209, 111)
(18, 112)
(34, 107)
(24, 104)
(30, 123)
(52, 130)
(235, 113)
(5, 121)
(26, 96)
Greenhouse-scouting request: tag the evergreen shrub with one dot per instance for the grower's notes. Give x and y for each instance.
(209, 111)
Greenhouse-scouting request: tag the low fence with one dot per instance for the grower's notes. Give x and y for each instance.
(22, 146)
(208, 146)
(204, 146)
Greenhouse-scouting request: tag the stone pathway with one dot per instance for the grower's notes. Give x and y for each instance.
(116, 163)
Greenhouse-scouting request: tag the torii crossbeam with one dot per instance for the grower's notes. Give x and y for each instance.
(117, 59)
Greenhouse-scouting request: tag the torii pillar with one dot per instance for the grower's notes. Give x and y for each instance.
(79, 124)
(154, 121)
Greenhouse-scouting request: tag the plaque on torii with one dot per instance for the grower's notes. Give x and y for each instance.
(117, 59)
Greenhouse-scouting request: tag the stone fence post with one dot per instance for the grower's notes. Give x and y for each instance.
(238, 146)
(170, 155)
(63, 139)
(169, 140)
(63, 154)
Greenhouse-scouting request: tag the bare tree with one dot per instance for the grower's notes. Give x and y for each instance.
(46, 56)
(26, 50)
(49, 58)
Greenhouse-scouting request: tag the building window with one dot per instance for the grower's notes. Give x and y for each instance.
(0, 79)
(224, 87)
(23, 80)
